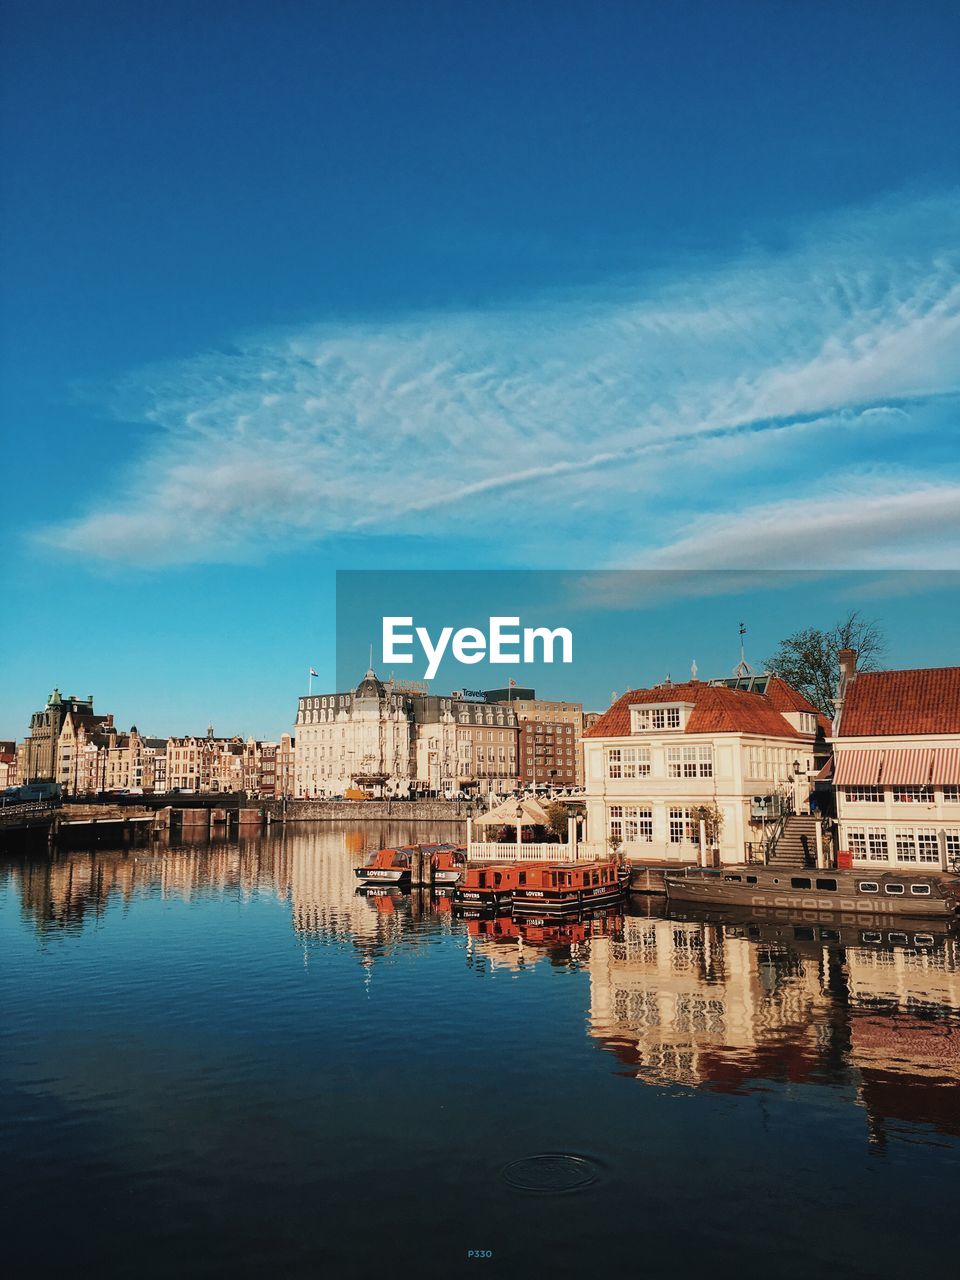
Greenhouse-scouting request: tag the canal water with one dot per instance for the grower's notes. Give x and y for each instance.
(221, 1060)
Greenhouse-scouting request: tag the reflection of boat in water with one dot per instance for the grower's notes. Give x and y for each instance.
(801, 930)
(545, 931)
(394, 866)
(860, 892)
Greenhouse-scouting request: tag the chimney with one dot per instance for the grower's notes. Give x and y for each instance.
(848, 673)
(848, 665)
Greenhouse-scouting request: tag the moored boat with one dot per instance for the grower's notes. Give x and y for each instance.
(489, 886)
(387, 866)
(548, 888)
(862, 891)
(447, 863)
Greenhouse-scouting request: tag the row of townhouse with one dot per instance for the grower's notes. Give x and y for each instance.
(86, 754)
(91, 760)
(745, 749)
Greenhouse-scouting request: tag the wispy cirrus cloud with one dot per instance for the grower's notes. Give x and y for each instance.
(721, 398)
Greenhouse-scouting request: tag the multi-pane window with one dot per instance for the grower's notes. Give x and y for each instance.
(951, 795)
(627, 762)
(912, 795)
(689, 762)
(952, 840)
(928, 846)
(877, 850)
(633, 822)
(645, 718)
(857, 840)
(863, 795)
(906, 846)
(680, 827)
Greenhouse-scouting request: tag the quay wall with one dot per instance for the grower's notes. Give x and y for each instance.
(370, 810)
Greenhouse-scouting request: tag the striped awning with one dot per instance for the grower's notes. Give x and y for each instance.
(857, 768)
(906, 767)
(945, 766)
(898, 767)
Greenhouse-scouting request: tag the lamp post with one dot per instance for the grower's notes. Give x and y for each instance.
(519, 828)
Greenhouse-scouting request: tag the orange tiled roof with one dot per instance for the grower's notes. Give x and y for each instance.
(882, 703)
(717, 709)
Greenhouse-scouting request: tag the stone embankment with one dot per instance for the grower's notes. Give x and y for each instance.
(370, 810)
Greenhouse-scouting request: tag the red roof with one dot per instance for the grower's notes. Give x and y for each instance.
(882, 703)
(717, 709)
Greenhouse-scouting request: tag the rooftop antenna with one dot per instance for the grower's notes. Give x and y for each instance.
(743, 667)
(370, 667)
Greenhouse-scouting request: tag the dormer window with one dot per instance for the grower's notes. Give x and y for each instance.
(650, 719)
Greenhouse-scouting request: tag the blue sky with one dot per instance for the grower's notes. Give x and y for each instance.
(296, 287)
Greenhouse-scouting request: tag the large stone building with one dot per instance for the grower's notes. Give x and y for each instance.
(659, 756)
(896, 740)
(38, 755)
(397, 741)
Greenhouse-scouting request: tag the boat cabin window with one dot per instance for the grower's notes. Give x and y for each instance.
(522, 878)
(830, 885)
(893, 888)
(873, 937)
(868, 886)
(497, 877)
(803, 933)
(596, 877)
(482, 880)
(553, 878)
(899, 938)
(737, 878)
(830, 935)
(923, 939)
(751, 879)
(799, 882)
(921, 890)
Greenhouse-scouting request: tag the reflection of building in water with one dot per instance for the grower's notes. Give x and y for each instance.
(906, 1051)
(323, 888)
(63, 891)
(684, 1004)
(906, 976)
(699, 1003)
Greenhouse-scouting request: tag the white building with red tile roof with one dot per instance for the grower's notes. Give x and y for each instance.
(896, 741)
(659, 754)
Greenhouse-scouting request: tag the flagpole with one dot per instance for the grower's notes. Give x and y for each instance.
(309, 681)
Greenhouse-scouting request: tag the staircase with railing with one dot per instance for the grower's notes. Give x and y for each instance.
(793, 842)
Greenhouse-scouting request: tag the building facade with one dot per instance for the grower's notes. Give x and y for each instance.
(38, 755)
(660, 757)
(896, 747)
(392, 740)
(550, 751)
(8, 765)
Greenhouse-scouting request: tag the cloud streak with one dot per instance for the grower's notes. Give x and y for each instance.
(576, 413)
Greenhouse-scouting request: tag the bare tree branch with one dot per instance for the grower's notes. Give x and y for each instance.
(809, 659)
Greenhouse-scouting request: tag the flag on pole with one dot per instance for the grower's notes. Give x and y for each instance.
(513, 683)
(314, 673)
